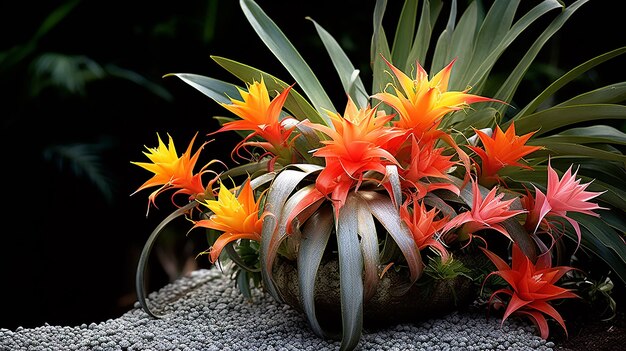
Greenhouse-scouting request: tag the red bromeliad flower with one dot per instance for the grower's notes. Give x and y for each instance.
(562, 196)
(237, 217)
(355, 147)
(171, 171)
(532, 287)
(501, 150)
(486, 213)
(424, 227)
(262, 117)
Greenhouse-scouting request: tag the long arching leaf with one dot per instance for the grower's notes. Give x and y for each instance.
(215, 89)
(495, 26)
(274, 231)
(508, 88)
(353, 87)
(387, 214)
(315, 234)
(369, 247)
(145, 254)
(603, 241)
(350, 274)
(566, 78)
(479, 75)
(557, 117)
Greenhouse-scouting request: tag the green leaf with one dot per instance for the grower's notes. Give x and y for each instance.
(602, 241)
(315, 234)
(576, 150)
(508, 88)
(234, 256)
(350, 274)
(616, 219)
(216, 89)
(404, 33)
(421, 42)
(379, 49)
(570, 76)
(463, 120)
(479, 75)
(585, 135)
(289, 57)
(492, 32)
(462, 45)
(610, 94)
(557, 117)
(353, 87)
(444, 43)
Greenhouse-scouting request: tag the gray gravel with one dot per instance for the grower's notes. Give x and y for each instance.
(205, 311)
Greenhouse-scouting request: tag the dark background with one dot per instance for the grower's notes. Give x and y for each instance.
(71, 235)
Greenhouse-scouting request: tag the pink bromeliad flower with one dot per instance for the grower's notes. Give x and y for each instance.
(562, 196)
(486, 213)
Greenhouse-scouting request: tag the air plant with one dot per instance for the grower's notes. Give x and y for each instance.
(411, 175)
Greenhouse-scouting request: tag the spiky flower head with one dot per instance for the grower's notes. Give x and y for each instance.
(236, 216)
(171, 171)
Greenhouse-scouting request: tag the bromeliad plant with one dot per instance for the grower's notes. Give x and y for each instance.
(412, 176)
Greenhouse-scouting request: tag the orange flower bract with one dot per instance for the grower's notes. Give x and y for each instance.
(501, 150)
(424, 226)
(355, 146)
(532, 286)
(261, 116)
(237, 217)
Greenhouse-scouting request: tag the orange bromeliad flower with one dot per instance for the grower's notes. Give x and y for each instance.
(486, 213)
(532, 287)
(562, 196)
(237, 217)
(356, 146)
(424, 227)
(171, 171)
(262, 117)
(501, 150)
(423, 165)
(421, 103)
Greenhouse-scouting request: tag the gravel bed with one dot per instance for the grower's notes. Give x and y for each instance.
(205, 311)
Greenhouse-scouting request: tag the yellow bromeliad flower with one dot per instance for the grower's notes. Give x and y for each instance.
(261, 116)
(171, 171)
(421, 103)
(237, 217)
